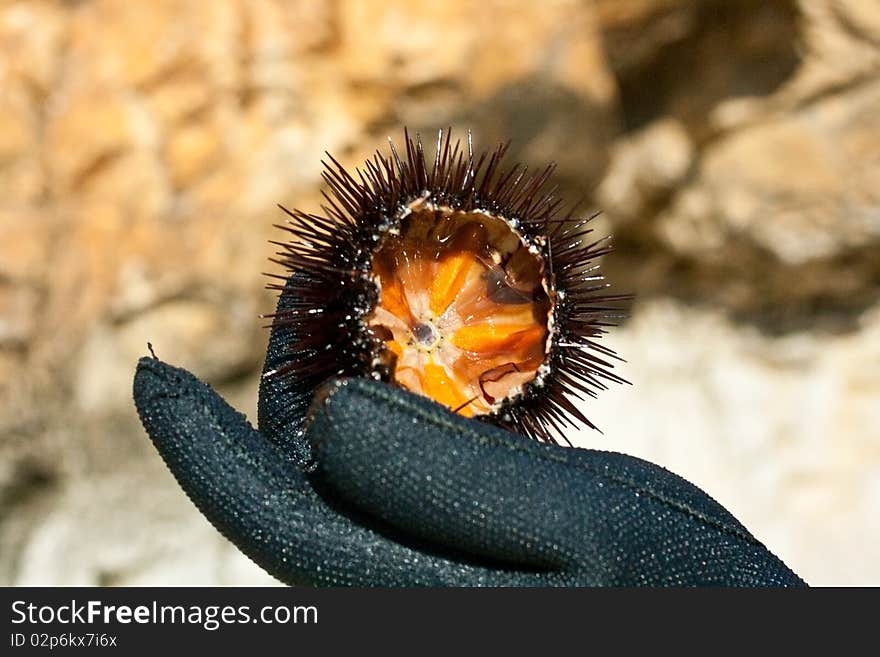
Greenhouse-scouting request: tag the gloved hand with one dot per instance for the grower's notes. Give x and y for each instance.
(385, 488)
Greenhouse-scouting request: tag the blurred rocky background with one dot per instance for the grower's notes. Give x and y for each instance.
(733, 145)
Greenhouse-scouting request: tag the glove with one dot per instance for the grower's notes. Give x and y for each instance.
(376, 486)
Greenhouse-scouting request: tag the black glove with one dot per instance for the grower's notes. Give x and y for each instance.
(385, 488)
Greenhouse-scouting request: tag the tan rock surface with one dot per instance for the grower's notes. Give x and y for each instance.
(732, 146)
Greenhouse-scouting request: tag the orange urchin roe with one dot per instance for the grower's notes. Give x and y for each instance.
(462, 307)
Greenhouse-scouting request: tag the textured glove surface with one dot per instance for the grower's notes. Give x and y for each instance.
(384, 488)
(406, 493)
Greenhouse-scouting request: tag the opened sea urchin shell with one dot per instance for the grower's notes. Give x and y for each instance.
(453, 278)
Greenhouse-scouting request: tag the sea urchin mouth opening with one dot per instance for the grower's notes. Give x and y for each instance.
(463, 307)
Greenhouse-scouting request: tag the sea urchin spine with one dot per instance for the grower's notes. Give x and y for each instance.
(454, 278)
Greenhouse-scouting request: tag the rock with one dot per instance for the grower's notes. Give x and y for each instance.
(143, 532)
(644, 169)
(840, 48)
(190, 151)
(218, 341)
(810, 191)
(31, 42)
(81, 149)
(556, 94)
(663, 51)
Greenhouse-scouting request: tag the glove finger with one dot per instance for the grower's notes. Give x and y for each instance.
(441, 477)
(283, 402)
(261, 502)
(611, 518)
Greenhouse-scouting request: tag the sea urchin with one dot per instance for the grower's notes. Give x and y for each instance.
(454, 278)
